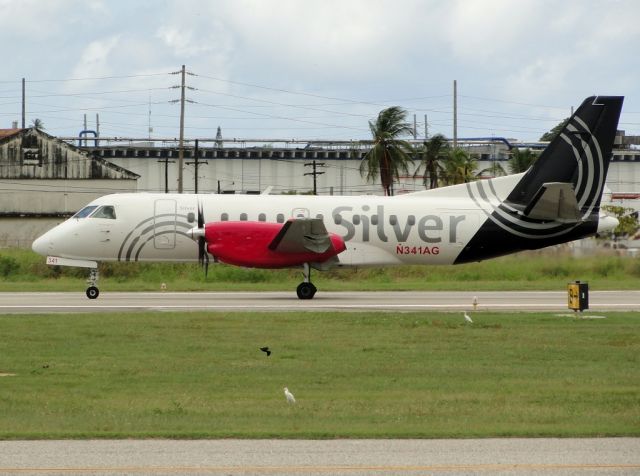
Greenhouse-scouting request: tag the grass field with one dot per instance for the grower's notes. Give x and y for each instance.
(197, 375)
(23, 270)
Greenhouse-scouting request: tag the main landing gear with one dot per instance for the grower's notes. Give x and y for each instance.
(306, 289)
(92, 291)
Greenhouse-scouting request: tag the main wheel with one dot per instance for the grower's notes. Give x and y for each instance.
(306, 291)
(92, 292)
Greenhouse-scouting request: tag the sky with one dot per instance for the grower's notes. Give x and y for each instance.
(315, 69)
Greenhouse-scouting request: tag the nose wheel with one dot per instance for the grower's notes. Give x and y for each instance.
(306, 289)
(92, 291)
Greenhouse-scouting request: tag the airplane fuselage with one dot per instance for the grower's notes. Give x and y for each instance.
(376, 230)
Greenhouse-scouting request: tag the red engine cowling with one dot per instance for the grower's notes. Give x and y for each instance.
(247, 243)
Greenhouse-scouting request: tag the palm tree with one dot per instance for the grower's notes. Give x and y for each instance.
(389, 156)
(521, 160)
(433, 152)
(37, 124)
(459, 167)
(494, 170)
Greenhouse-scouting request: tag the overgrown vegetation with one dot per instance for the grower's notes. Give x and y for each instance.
(202, 375)
(22, 270)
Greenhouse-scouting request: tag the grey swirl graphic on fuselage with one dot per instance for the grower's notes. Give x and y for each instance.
(149, 229)
(588, 187)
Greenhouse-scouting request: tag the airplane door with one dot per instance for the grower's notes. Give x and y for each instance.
(300, 213)
(164, 224)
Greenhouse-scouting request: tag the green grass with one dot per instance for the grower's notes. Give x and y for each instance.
(22, 270)
(382, 375)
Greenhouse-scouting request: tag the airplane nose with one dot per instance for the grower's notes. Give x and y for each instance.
(42, 245)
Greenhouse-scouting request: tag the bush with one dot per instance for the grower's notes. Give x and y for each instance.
(8, 266)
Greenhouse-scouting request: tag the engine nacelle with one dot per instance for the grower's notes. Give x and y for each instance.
(246, 243)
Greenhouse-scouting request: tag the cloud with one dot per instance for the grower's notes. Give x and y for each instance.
(94, 59)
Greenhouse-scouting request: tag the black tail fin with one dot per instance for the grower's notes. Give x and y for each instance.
(558, 199)
(578, 155)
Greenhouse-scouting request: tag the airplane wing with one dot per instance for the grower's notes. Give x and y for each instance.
(554, 201)
(301, 235)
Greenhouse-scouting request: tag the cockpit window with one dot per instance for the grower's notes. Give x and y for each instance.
(105, 211)
(85, 212)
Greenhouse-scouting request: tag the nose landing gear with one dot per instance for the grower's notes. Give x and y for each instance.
(306, 289)
(92, 291)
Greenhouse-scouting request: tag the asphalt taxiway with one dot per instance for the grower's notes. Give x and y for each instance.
(44, 302)
(321, 457)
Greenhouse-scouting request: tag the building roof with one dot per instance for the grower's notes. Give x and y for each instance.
(8, 132)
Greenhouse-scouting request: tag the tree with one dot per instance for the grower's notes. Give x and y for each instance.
(389, 156)
(521, 160)
(433, 152)
(494, 170)
(37, 124)
(549, 136)
(627, 217)
(459, 167)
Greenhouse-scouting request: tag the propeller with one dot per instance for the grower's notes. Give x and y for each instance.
(199, 235)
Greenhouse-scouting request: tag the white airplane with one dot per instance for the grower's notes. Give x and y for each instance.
(557, 200)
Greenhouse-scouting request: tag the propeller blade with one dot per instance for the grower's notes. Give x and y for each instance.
(203, 256)
(200, 216)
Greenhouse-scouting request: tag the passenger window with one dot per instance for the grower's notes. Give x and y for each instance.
(356, 219)
(191, 217)
(374, 219)
(280, 218)
(262, 217)
(106, 211)
(393, 220)
(85, 212)
(319, 215)
(243, 217)
(224, 217)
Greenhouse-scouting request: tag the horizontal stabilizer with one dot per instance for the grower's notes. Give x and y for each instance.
(554, 201)
(300, 235)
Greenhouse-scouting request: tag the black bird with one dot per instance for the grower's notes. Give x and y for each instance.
(266, 350)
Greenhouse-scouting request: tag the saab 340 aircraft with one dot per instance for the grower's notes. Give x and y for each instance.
(557, 200)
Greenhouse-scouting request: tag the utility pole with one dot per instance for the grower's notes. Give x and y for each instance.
(455, 114)
(84, 129)
(426, 128)
(315, 174)
(415, 128)
(24, 102)
(181, 144)
(97, 128)
(166, 162)
(196, 163)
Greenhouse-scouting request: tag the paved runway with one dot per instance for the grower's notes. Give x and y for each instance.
(30, 302)
(294, 457)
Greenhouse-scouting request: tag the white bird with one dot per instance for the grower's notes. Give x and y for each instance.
(467, 318)
(290, 398)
